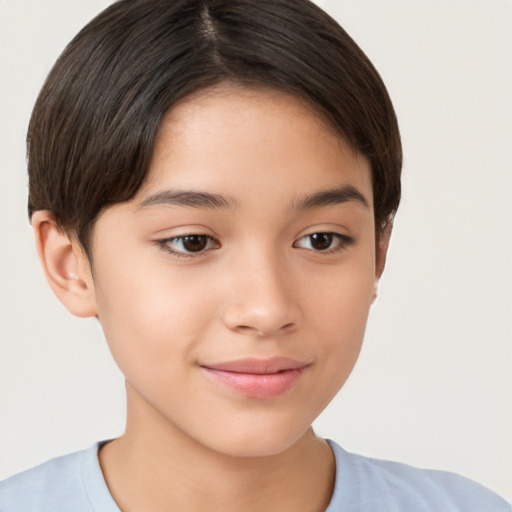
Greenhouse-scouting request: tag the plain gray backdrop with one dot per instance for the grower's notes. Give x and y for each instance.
(433, 386)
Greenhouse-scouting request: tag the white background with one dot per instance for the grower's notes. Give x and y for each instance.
(433, 386)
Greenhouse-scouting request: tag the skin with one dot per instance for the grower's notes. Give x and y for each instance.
(260, 288)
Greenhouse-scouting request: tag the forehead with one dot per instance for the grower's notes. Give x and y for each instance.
(252, 143)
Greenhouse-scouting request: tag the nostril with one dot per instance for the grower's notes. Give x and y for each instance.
(253, 319)
(264, 332)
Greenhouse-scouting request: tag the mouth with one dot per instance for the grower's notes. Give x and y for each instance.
(258, 378)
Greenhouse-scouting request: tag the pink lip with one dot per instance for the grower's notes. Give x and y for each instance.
(258, 378)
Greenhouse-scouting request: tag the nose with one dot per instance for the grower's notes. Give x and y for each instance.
(262, 301)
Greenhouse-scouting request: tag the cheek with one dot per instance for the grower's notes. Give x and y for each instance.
(343, 294)
(153, 317)
(341, 313)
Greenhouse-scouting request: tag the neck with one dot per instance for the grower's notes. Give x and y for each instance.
(158, 468)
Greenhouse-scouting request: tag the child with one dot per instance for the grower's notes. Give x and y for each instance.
(216, 182)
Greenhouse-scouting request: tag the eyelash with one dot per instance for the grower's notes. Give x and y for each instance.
(344, 241)
(165, 245)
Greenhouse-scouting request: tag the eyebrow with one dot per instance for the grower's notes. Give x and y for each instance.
(331, 196)
(207, 200)
(190, 198)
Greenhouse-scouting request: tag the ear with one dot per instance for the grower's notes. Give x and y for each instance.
(65, 264)
(381, 252)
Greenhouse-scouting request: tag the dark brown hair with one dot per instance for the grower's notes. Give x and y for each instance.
(92, 131)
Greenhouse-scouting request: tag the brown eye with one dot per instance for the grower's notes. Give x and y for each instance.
(194, 243)
(327, 242)
(321, 241)
(187, 245)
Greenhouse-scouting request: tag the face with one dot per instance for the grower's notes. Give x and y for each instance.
(234, 288)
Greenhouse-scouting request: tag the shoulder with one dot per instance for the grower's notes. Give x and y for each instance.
(373, 484)
(61, 484)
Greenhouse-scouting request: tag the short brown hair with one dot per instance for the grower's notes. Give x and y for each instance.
(92, 131)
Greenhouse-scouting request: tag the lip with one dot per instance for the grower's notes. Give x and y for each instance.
(258, 378)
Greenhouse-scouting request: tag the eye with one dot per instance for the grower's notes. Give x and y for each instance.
(187, 245)
(324, 242)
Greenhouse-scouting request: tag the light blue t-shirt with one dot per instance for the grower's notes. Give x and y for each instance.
(75, 483)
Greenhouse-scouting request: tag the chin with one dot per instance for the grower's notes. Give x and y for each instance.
(257, 442)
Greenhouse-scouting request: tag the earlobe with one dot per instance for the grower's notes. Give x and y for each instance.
(65, 264)
(381, 252)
